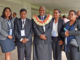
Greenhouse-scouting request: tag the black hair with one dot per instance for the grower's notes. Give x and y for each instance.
(15, 13)
(58, 10)
(3, 13)
(63, 16)
(23, 10)
(73, 11)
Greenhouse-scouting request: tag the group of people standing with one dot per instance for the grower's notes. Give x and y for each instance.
(49, 34)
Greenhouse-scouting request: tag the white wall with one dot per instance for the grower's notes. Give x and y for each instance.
(34, 12)
(1, 9)
(16, 6)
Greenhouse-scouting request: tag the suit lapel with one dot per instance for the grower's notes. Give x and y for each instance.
(26, 26)
(45, 17)
(40, 27)
(58, 27)
(75, 25)
(5, 23)
(20, 23)
(58, 24)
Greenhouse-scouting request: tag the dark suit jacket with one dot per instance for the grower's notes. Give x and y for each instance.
(39, 30)
(28, 32)
(60, 26)
(78, 18)
(75, 32)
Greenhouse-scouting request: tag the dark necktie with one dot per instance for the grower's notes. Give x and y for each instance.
(23, 24)
(42, 18)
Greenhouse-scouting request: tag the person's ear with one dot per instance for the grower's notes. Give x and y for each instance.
(59, 14)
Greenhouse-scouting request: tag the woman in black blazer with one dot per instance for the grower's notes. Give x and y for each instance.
(57, 39)
(71, 32)
(6, 33)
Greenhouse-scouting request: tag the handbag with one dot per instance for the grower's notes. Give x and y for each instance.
(73, 42)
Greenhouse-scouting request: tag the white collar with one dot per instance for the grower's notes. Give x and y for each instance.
(54, 22)
(43, 16)
(24, 19)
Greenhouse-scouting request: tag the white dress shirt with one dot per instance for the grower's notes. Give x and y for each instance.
(55, 29)
(24, 23)
(23, 27)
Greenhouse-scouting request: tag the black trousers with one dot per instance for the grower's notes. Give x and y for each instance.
(56, 48)
(24, 52)
(72, 53)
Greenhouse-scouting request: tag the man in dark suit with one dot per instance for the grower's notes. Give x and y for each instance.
(14, 16)
(42, 36)
(23, 35)
(78, 15)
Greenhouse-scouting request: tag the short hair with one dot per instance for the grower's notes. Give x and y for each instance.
(43, 7)
(15, 13)
(73, 11)
(63, 16)
(57, 10)
(23, 10)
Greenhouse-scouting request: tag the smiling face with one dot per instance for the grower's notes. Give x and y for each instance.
(7, 12)
(42, 11)
(56, 14)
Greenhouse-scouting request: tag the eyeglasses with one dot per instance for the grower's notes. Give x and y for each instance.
(55, 13)
(71, 14)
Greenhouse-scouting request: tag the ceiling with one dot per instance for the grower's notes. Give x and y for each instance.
(64, 5)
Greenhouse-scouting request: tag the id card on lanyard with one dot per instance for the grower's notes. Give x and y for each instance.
(23, 29)
(54, 30)
(22, 32)
(10, 31)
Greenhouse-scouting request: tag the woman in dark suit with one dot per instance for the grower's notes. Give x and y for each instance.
(71, 32)
(57, 39)
(6, 33)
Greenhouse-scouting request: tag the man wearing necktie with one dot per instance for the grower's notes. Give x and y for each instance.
(42, 37)
(23, 34)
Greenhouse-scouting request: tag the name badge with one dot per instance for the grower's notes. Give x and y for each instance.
(10, 32)
(76, 29)
(54, 33)
(22, 32)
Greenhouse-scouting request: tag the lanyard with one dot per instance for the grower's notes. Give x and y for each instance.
(9, 23)
(23, 24)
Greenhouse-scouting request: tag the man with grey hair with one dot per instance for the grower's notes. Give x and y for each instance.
(42, 35)
(78, 15)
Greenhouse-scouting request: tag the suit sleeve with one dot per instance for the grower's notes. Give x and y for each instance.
(62, 31)
(35, 29)
(17, 35)
(2, 31)
(75, 32)
(61, 37)
(30, 33)
(48, 30)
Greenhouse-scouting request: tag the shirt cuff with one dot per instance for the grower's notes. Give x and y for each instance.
(21, 39)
